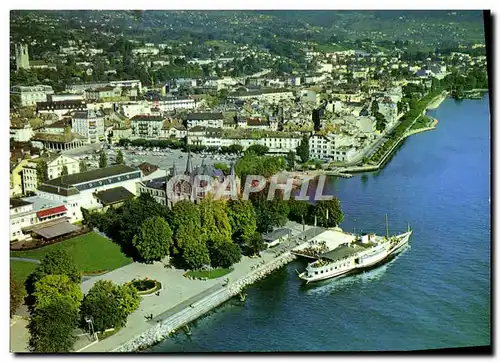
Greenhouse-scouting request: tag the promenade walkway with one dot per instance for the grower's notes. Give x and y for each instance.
(177, 291)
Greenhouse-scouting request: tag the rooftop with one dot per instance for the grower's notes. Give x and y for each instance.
(276, 234)
(40, 203)
(113, 195)
(82, 177)
(148, 118)
(203, 116)
(18, 203)
(147, 168)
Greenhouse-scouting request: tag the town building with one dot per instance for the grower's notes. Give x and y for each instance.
(38, 217)
(102, 93)
(64, 97)
(58, 142)
(21, 132)
(269, 95)
(80, 189)
(22, 56)
(146, 126)
(214, 120)
(30, 95)
(55, 166)
(61, 108)
(88, 124)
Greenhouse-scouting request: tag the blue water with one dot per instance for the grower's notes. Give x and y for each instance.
(436, 294)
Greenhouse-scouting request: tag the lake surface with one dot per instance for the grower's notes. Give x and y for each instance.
(436, 294)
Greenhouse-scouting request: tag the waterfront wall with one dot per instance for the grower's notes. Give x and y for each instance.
(163, 329)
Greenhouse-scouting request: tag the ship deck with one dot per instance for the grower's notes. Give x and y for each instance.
(345, 251)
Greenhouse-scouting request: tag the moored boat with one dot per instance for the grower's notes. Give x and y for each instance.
(362, 253)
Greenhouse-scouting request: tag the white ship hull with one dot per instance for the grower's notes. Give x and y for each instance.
(357, 262)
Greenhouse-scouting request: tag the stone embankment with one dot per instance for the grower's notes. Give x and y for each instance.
(164, 328)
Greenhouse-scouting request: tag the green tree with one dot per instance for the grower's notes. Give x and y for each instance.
(16, 296)
(53, 288)
(52, 327)
(154, 239)
(243, 219)
(259, 150)
(290, 160)
(303, 149)
(270, 213)
(42, 173)
(119, 158)
(128, 298)
(222, 166)
(83, 166)
(329, 212)
(55, 262)
(15, 101)
(374, 107)
(381, 122)
(300, 210)
(224, 254)
(195, 254)
(215, 223)
(103, 159)
(102, 302)
(255, 244)
(64, 171)
(190, 247)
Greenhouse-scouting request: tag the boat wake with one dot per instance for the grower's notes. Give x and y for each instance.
(334, 285)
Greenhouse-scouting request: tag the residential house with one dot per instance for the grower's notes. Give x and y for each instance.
(147, 126)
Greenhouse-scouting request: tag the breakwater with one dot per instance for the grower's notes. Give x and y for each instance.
(164, 328)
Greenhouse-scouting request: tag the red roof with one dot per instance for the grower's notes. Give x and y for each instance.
(51, 211)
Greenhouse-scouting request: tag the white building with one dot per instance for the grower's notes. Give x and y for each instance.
(21, 133)
(272, 96)
(30, 95)
(64, 97)
(147, 126)
(177, 103)
(33, 213)
(83, 189)
(146, 51)
(214, 120)
(55, 166)
(88, 124)
(279, 143)
(335, 147)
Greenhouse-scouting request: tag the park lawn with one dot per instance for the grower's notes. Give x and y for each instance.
(20, 272)
(209, 274)
(92, 253)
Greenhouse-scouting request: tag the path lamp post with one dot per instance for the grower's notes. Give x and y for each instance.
(90, 322)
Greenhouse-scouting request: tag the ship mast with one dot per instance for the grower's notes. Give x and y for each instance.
(386, 227)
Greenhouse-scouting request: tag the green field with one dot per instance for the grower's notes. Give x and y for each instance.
(91, 253)
(20, 272)
(209, 274)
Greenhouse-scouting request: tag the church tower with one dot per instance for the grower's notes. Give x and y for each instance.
(22, 56)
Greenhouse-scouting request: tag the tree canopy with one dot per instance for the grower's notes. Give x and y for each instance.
(56, 262)
(109, 304)
(154, 239)
(54, 288)
(303, 149)
(52, 327)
